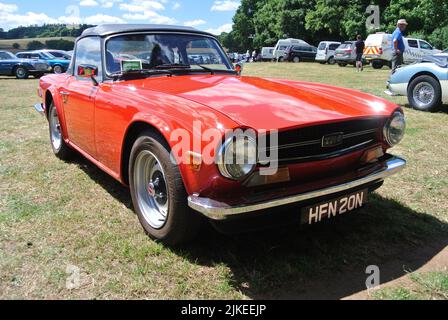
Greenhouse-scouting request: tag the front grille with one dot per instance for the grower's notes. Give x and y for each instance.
(305, 144)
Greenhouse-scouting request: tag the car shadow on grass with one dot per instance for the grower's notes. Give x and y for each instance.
(326, 261)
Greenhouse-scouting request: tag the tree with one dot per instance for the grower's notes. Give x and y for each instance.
(35, 45)
(243, 27)
(60, 44)
(16, 45)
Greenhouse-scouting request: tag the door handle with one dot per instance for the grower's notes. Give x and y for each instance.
(65, 95)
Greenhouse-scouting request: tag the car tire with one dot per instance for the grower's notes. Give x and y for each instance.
(296, 59)
(281, 59)
(158, 192)
(425, 93)
(60, 148)
(21, 73)
(342, 65)
(322, 62)
(377, 65)
(331, 61)
(57, 69)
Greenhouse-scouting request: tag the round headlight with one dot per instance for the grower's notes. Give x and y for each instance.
(237, 158)
(394, 129)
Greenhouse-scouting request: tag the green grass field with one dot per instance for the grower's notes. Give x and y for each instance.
(57, 217)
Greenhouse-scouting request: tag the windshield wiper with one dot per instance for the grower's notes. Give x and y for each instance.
(173, 66)
(212, 72)
(139, 73)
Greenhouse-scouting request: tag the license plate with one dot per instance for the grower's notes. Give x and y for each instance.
(334, 208)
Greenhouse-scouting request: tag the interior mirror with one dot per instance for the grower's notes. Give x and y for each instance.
(239, 68)
(88, 71)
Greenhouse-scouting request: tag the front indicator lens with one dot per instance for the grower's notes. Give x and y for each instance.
(394, 129)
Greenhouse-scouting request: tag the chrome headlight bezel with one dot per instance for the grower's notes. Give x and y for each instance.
(394, 129)
(247, 168)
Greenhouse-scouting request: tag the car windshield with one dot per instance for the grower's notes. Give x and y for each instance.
(323, 46)
(164, 51)
(345, 46)
(48, 55)
(5, 55)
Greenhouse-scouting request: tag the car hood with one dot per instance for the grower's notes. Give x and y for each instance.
(272, 104)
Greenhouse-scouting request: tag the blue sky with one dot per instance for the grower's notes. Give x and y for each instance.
(212, 15)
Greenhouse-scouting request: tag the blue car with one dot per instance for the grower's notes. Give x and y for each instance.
(425, 84)
(10, 65)
(58, 65)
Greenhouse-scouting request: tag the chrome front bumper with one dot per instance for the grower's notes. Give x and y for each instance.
(216, 210)
(39, 108)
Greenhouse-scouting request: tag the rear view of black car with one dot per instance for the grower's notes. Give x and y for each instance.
(300, 53)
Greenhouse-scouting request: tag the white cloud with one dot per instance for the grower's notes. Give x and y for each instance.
(88, 3)
(176, 6)
(195, 23)
(225, 5)
(8, 8)
(102, 18)
(224, 28)
(146, 11)
(142, 5)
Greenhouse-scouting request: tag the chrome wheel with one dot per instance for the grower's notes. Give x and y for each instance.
(57, 69)
(55, 129)
(151, 189)
(21, 73)
(423, 94)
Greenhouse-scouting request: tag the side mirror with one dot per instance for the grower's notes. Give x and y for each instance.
(88, 71)
(239, 68)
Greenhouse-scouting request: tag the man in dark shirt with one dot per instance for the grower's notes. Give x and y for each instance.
(360, 46)
(398, 46)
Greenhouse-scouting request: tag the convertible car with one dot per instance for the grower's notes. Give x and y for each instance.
(195, 141)
(425, 84)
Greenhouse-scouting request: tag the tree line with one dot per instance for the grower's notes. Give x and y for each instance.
(45, 31)
(260, 23)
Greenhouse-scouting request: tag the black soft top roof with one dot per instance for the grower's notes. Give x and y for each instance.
(111, 29)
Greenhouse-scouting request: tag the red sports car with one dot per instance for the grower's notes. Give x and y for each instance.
(162, 110)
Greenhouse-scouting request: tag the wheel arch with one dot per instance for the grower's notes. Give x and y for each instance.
(423, 73)
(131, 135)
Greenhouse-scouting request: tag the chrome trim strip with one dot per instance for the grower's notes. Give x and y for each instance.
(39, 108)
(216, 210)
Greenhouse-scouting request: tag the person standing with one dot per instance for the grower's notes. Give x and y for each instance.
(360, 46)
(398, 45)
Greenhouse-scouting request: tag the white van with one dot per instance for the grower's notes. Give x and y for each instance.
(282, 45)
(267, 53)
(379, 50)
(326, 51)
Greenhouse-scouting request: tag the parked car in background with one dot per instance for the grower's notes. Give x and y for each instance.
(10, 65)
(60, 54)
(345, 54)
(282, 45)
(298, 53)
(332, 142)
(425, 84)
(57, 65)
(267, 53)
(326, 51)
(379, 50)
